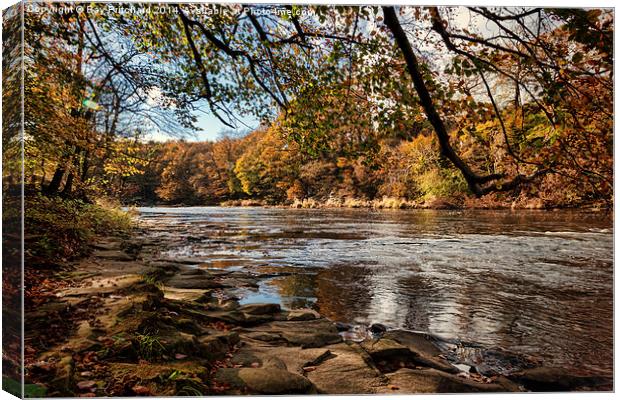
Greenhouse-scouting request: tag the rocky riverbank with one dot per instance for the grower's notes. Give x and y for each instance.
(127, 321)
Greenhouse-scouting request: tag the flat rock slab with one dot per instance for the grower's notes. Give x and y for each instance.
(302, 315)
(347, 372)
(293, 359)
(408, 381)
(265, 381)
(306, 334)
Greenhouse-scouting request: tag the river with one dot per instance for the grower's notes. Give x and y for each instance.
(532, 282)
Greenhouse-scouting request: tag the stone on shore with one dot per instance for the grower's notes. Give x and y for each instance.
(346, 372)
(307, 334)
(265, 381)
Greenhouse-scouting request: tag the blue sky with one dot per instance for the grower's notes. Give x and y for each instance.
(209, 128)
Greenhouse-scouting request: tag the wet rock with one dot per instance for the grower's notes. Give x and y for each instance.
(377, 329)
(549, 379)
(260, 309)
(265, 380)
(341, 326)
(492, 361)
(434, 381)
(422, 350)
(302, 315)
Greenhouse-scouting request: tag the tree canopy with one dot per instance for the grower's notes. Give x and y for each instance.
(508, 98)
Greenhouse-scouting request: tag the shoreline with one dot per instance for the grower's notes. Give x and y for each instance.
(370, 207)
(136, 323)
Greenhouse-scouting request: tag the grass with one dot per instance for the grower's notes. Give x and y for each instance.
(149, 346)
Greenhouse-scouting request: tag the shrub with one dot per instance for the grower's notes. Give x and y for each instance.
(57, 228)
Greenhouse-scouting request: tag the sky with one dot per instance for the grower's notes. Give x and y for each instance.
(209, 128)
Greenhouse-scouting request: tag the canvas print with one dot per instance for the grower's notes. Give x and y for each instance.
(204, 199)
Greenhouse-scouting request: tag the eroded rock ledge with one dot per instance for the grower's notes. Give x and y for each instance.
(146, 325)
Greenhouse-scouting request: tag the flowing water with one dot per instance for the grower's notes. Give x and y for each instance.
(536, 283)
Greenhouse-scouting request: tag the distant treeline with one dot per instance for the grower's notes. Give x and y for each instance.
(265, 168)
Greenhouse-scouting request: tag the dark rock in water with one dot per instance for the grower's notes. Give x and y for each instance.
(377, 329)
(341, 326)
(260, 309)
(490, 362)
(420, 349)
(548, 379)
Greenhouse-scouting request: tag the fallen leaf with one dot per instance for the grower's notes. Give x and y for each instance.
(83, 385)
(141, 390)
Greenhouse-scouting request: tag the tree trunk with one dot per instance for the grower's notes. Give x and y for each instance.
(54, 185)
(392, 22)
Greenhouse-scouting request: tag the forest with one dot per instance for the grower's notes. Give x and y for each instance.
(351, 107)
(420, 105)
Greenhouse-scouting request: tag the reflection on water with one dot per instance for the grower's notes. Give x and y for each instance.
(532, 282)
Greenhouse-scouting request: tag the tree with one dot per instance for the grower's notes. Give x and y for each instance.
(244, 58)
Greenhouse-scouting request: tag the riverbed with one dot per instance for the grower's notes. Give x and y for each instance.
(531, 282)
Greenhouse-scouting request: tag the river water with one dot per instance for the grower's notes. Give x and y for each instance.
(536, 283)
